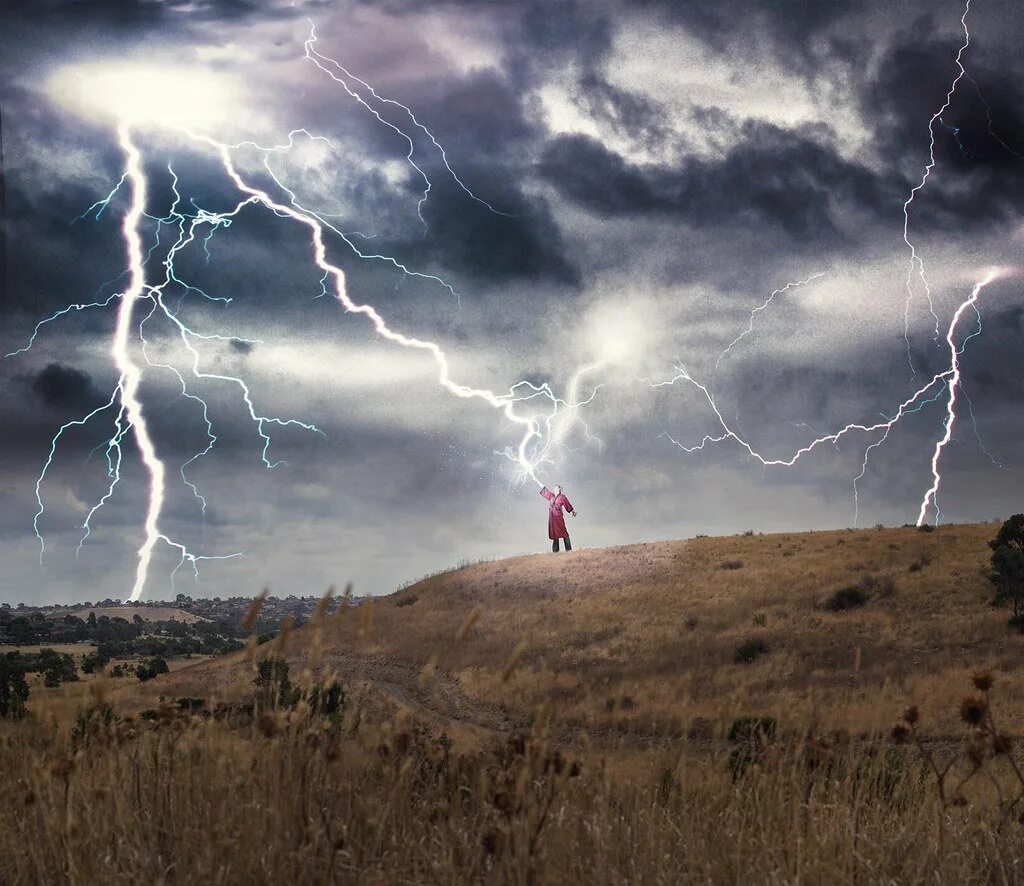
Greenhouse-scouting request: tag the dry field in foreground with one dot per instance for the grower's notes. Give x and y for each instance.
(567, 719)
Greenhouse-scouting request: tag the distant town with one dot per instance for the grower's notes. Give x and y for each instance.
(109, 630)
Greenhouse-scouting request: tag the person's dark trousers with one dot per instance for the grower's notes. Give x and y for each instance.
(554, 544)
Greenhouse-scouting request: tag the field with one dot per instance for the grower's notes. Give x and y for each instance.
(635, 644)
(593, 717)
(127, 611)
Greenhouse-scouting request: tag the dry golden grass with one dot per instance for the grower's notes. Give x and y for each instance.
(75, 650)
(620, 661)
(631, 645)
(128, 612)
(293, 798)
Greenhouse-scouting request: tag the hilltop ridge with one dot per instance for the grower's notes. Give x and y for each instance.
(649, 639)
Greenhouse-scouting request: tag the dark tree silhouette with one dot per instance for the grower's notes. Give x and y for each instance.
(1008, 563)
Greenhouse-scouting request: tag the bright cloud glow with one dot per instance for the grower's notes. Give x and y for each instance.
(143, 94)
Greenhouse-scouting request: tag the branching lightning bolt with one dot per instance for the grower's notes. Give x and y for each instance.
(761, 307)
(916, 263)
(949, 378)
(314, 56)
(540, 436)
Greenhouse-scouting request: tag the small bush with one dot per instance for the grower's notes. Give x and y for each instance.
(273, 685)
(191, 704)
(151, 668)
(750, 650)
(760, 619)
(732, 564)
(748, 533)
(691, 621)
(327, 700)
(846, 598)
(1016, 622)
(13, 687)
(94, 662)
(406, 600)
(926, 527)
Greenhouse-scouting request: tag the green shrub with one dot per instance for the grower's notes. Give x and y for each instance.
(846, 598)
(151, 668)
(327, 700)
(191, 704)
(273, 684)
(750, 650)
(13, 687)
(94, 662)
(1008, 563)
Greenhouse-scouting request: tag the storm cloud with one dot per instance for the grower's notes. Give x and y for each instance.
(637, 176)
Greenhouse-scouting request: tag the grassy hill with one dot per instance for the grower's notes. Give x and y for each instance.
(587, 718)
(653, 641)
(127, 611)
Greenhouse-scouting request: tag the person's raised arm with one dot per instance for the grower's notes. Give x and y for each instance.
(547, 493)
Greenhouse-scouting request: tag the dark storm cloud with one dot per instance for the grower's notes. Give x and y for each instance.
(790, 23)
(978, 140)
(64, 388)
(522, 243)
(131, 14)
(627, 112)
(579, 215)
(784, 178)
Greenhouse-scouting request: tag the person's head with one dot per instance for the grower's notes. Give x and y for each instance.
(558, 489)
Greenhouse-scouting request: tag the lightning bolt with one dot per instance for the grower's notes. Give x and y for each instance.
(757, 310)
(130, 373)
(916, 263)
(540, 436)
(503, 403)
(948, 379)
(953, 384)
(314, 56)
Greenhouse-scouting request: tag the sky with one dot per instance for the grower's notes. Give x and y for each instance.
(616, 190)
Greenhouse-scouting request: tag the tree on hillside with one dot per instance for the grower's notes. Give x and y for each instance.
(94, 662)
(151, 668)
(13, 688)
(56, 668)
(1008, 564)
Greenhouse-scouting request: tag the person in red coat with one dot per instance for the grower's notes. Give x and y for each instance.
(557, 502)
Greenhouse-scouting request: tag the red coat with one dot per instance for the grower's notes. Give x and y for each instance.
(556, 521)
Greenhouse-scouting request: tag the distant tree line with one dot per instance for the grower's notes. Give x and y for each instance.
(221, 621)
